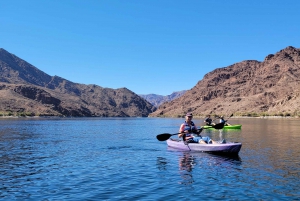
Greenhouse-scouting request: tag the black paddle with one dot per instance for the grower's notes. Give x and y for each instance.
(165, 136)
(218, 126)
(228, 118)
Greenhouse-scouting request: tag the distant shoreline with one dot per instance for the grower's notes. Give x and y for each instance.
(195, 117)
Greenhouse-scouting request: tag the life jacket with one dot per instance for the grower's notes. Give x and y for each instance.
(190, 128)
(208, 120)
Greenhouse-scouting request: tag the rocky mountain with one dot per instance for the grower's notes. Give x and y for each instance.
(250, 88)
(157, 100)
(26, 90)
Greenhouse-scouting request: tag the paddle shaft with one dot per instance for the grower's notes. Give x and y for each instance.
(229, 117)
(165, 136)
(219, 117)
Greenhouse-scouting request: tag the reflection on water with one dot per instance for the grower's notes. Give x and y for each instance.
(188, 161)
(161, 163)
(186, 164)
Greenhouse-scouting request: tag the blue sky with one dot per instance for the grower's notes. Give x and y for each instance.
(147, 46)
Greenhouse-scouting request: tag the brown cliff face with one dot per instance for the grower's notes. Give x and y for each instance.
(24, 89)
(250, 87)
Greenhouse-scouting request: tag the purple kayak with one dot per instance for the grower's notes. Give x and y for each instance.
(227, 148)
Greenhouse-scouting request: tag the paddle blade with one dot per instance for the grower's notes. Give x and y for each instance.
(163, 137)
(219, 126)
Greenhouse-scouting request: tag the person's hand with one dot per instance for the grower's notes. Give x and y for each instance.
(198, 131)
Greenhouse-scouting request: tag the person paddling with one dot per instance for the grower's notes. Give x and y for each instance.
(187, 129)
(208, 120)
(222, 120)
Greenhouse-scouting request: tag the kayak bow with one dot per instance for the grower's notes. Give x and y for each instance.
(236, 126)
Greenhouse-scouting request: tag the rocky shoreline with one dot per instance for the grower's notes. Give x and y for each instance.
(195, 117)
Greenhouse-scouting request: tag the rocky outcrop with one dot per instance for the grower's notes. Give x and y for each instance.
(27, 90)
(17, 71)
(249, 87)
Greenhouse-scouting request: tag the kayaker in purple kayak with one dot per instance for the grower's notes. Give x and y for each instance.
(187, 129)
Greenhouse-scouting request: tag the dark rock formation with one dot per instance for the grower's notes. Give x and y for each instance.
(27, 90)
(249, 87)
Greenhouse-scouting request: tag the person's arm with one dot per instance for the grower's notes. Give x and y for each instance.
(197, 131)
(181, 130)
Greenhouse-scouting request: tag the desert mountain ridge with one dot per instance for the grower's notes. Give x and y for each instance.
(157, 100)
(27, 91)
(248, 88)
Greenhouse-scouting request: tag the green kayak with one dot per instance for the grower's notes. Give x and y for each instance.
(236, 126)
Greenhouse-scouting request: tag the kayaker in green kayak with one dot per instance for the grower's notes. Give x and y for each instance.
(222, 120)
(208, 120)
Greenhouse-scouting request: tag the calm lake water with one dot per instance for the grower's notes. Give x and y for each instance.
(121, 159)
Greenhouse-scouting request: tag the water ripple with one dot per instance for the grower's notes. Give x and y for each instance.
(73, 159)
